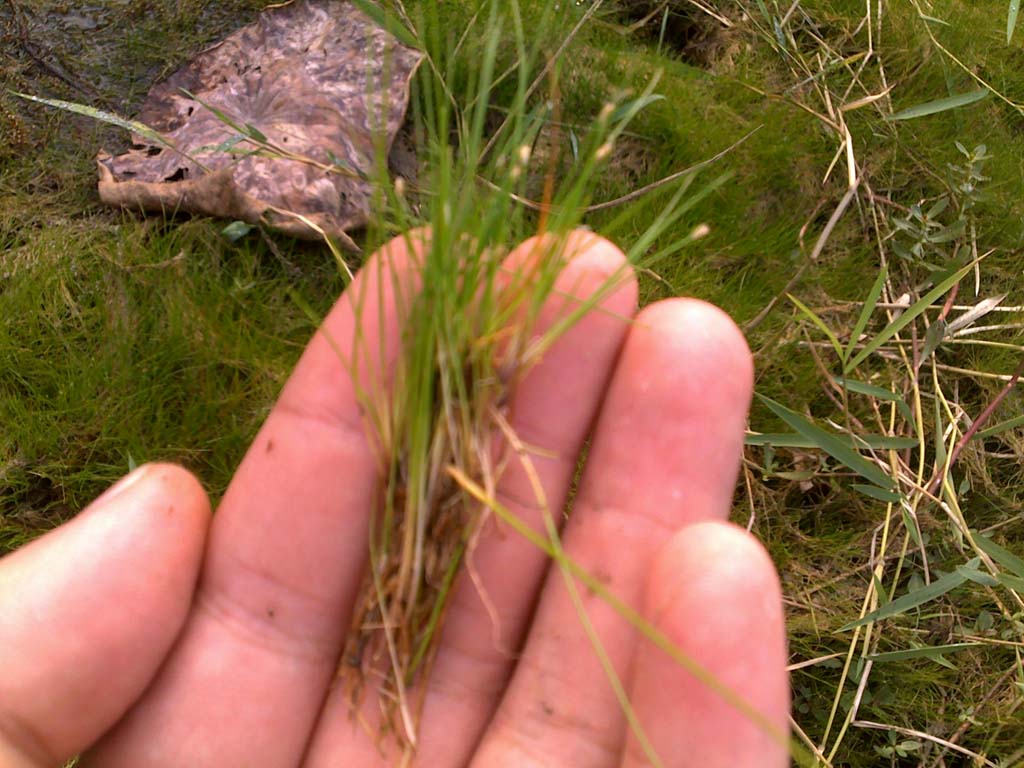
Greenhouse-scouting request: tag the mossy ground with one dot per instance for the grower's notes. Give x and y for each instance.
(126, 340)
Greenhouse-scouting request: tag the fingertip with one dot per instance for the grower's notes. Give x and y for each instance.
(411, 244)
(578, 248)
(91, 608)
(163, 504)
(181, 509)
(585, 243)
(167, 479)
(703, 334)
(713, 561)
(715, 594)
(670, 434)
(605, 267)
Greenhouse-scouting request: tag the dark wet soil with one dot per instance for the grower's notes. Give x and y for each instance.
(106, 54)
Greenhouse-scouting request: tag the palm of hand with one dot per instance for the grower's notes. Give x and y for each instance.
(150, 636)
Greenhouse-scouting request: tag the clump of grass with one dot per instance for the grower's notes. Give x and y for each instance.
(470, 330)
(909, 375)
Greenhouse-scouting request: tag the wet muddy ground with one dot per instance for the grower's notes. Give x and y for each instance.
(103, 54)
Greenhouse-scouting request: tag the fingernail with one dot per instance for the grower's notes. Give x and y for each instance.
(122, 485)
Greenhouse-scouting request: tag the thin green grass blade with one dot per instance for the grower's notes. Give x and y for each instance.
(929, 652)
(940, 430)
(99, 114)
(829, 443)
(911, 314)
(388, 21)
(255, 133)
(925, 594)
(819, 324)
(247, 130)
(602, 654)
(663, 223)
(865, 312)
(1011, 19)
(435, 615)
(626, 112)
(940, 105)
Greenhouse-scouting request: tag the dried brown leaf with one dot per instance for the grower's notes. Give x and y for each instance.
(316, 79)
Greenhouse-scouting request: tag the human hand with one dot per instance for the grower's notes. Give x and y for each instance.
(148, 635)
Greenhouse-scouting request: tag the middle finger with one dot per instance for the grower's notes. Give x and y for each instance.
(552, 409)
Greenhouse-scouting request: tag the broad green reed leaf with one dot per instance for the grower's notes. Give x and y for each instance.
(927, 652)
(912, 600)
(881, 393)
(1003, 426)
(1004, 557)
(1011, 19)
(863, 388)
(797, 440)
(880, 592)
(1016, 583)
(830, 443)
(908, 316)
(978, 577)
(911, 525)
(865, 312)
(940, 105)
(879, 494)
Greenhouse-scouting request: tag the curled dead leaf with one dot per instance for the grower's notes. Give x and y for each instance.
(282, 117)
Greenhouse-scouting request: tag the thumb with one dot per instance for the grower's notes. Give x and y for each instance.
(88, 612)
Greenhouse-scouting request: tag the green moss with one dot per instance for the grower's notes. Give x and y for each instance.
(140, 341)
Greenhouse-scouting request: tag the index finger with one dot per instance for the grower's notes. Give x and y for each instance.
(286, 553)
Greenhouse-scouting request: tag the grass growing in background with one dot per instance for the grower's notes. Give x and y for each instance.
(123, 340)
